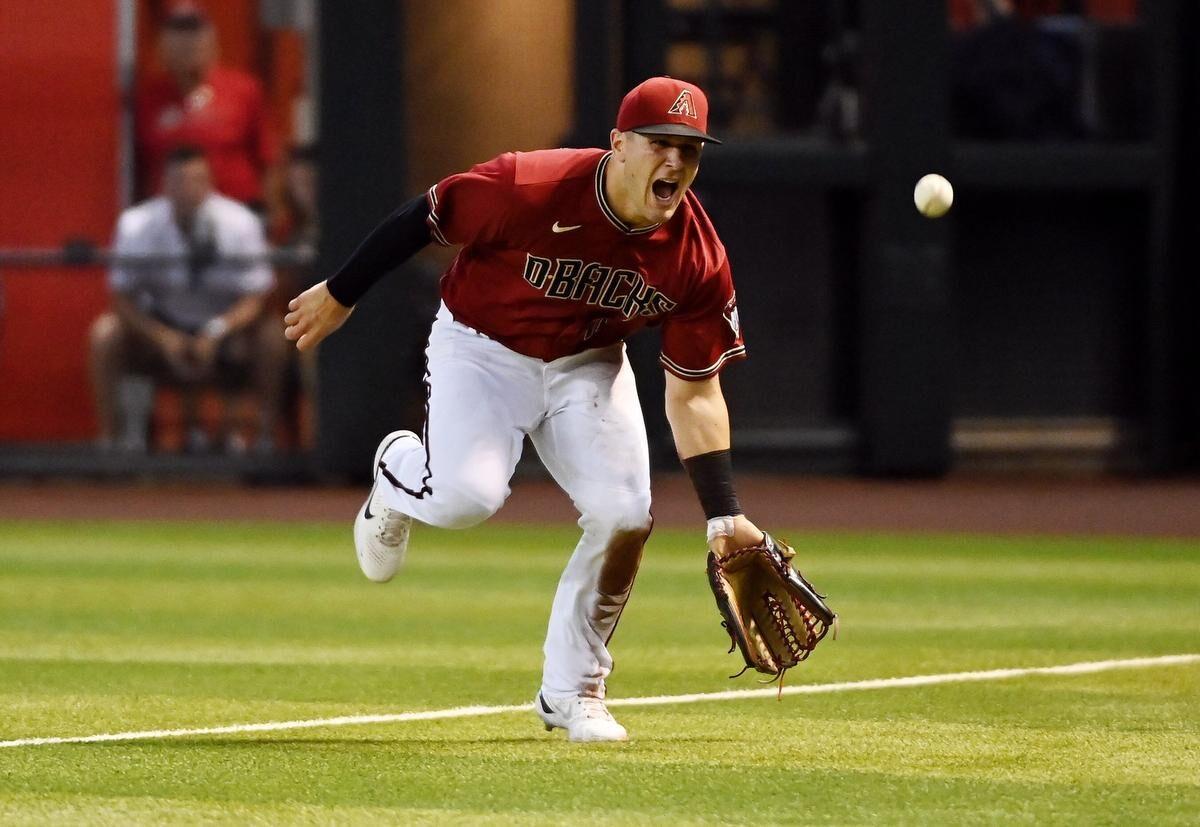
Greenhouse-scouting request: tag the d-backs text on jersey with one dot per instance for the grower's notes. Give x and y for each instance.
(571, 279)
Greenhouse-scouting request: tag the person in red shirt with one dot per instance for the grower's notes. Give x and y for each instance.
(564, 254)
(199, 103)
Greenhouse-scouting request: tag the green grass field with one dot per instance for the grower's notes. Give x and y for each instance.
(111, 627)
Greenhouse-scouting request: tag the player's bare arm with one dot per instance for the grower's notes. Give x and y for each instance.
(700, 424)
(698, 415)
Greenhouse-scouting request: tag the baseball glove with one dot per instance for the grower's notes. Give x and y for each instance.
(771, 612)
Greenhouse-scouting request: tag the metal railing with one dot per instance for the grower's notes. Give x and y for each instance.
(86, 254)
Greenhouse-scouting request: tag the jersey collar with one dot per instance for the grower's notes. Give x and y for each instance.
(608, 211)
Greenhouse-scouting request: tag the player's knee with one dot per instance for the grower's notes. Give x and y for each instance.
(625, 512)
(462, 504)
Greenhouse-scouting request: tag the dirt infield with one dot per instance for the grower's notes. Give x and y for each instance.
(987, 505)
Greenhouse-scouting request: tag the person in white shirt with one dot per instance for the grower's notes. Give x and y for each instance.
(195, 316)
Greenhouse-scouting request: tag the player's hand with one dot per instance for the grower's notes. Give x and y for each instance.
(745, 534)
(312, 316)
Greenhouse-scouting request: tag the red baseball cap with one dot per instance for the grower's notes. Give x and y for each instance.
(665, 106)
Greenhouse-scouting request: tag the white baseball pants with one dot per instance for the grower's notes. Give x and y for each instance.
(583, 416)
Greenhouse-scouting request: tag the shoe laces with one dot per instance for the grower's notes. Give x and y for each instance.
(393, 527)
(594, 708)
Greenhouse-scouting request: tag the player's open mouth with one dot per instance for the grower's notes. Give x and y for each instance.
(664, 190)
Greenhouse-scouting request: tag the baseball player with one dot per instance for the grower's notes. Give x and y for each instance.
(564, 254)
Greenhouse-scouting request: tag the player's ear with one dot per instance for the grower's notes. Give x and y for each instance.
(616, 139)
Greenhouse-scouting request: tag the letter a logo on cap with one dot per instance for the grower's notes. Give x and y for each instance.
(683, 105)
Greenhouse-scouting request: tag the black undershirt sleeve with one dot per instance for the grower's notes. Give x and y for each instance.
(401, 236)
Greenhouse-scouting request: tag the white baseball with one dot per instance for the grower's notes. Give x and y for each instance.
(933, 195)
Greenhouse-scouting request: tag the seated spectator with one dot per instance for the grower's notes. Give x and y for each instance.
(195, 316)
(200, 103)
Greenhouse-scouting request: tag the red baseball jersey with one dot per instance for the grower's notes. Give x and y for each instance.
(548, 269)
(225, 116)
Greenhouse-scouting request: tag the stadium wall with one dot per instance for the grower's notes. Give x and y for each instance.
(58, 151)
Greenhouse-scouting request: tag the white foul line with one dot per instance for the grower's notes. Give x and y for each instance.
(658, 700)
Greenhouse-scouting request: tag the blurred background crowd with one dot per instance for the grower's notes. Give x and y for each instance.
(173, 171)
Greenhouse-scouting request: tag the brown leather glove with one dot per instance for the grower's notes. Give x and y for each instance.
(771, 612)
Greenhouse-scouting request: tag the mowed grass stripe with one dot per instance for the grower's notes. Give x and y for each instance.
(112, 628)
(657, 700)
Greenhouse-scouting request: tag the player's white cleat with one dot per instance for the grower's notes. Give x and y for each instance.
(583, 717)
(381, 533)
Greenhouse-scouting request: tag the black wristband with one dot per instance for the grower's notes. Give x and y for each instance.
(712, 477)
